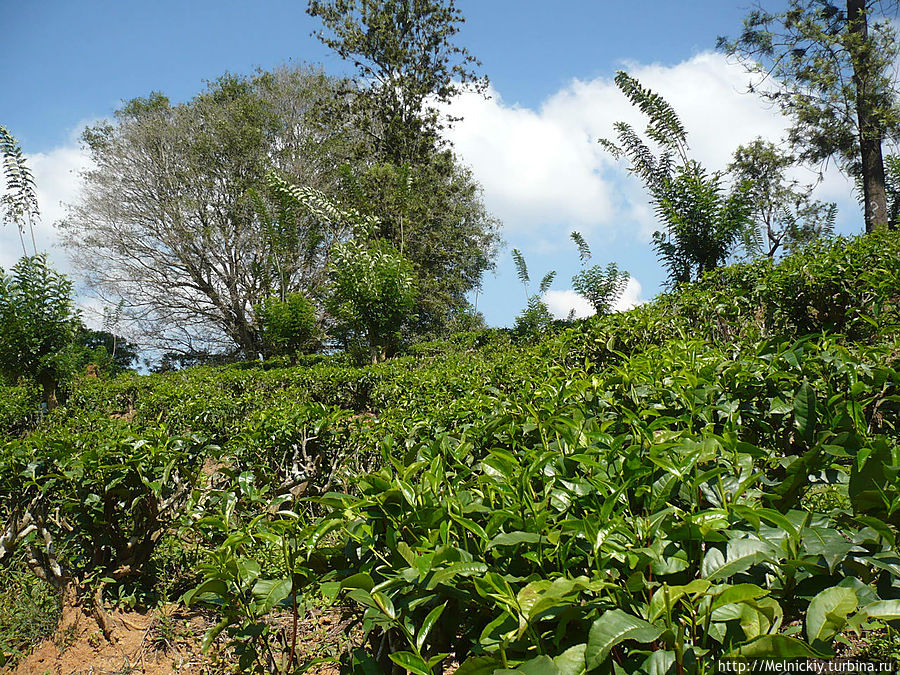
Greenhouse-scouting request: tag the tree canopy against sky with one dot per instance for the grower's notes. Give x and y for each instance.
(169, 219)
(548, 71)
(830, 67)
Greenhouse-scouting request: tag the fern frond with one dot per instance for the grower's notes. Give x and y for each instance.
(521, 267)
(584, 251)
(320, 206)
(643, 163)
(19, 204)
(664, 126)
(546, 282)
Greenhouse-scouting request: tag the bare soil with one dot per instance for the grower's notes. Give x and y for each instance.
(166, 641)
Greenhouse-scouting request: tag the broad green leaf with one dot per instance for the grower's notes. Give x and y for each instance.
(210, 636)
(360, 580)
(479, 665)
(428, 624)
(463, 569)
(610, 629)
(827, 543)
(779, 646)
(571, 661)
(805, 412)
(658, 601)
(513, 538)
(215, 587)
(660, 662)
(759, 617)
(738, 593)
(384, 604)
(827, 613)
(540, 596)
(269, 592)
(471, 526)
(539, 665)
(884, 610)
(412, 663)
(740, 555)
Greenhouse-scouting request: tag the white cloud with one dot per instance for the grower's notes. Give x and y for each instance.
(631, 296)
(560, 303)
(543, 169)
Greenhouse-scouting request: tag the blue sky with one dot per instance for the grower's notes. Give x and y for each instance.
(532, 145)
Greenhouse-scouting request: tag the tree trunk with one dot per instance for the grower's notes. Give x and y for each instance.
(870, 128)
(48, 385)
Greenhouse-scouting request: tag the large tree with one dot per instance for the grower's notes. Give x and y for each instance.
(783, 210)
(829, 66)
(433, 213)
(176, 218)
(428, 204)
(408, 64)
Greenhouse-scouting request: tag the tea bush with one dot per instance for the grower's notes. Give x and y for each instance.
(713, 473)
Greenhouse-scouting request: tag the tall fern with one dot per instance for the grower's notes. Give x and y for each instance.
(701, 223)
(19, 203)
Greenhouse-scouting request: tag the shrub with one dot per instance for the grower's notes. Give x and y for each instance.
(287, 326)
(39, 324)
(372, 293)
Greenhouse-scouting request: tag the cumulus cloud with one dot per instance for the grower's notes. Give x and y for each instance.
(543, 169)
(561, 303)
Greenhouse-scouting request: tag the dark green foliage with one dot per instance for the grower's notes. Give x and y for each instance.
(840, 286)
(433, 213)
(89, 508)
(112, 353)
(18, 406)
(704, 223)
(39, 324)
(287, 326)
(710, 474)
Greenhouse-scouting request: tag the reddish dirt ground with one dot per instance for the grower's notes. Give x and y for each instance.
(167, 641)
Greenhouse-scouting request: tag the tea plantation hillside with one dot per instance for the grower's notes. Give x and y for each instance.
(714, 473)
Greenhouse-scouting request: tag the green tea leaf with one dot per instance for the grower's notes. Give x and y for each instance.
(610, 629)
(827, 613)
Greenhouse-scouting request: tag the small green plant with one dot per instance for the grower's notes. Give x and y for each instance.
(29, 611)
(287, 326)
(39, 322)
(701, 222)
(535, 318)
(598, 285)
